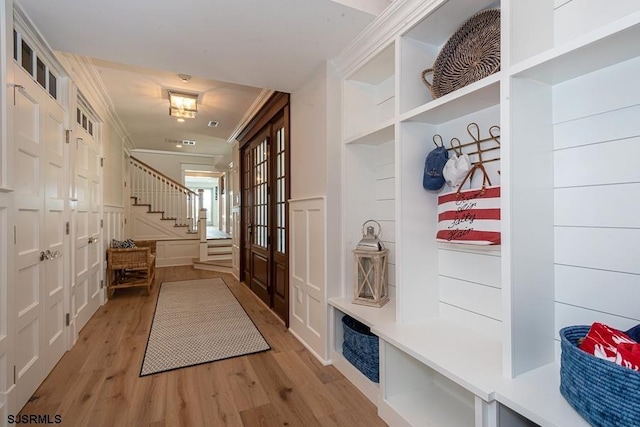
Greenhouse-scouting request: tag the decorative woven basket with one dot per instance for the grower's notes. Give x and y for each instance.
(360, 348)
(471, 54)
(603, 393)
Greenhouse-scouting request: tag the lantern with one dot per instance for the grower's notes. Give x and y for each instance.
(370, 269)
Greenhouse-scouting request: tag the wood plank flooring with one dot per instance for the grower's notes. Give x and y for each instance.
(96, 383)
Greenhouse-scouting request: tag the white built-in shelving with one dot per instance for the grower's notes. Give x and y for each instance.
(470, 334)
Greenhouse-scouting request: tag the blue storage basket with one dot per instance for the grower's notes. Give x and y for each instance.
(603, 393)
(360, 348)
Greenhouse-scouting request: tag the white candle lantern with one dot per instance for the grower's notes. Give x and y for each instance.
(370, 269)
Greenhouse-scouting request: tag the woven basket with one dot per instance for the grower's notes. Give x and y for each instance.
(471, 54)
(603, 393)
(360, 348)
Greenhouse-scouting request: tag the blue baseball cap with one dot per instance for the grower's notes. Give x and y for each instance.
(433, 179)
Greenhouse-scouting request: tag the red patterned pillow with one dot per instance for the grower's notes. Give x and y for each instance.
(629, 355)
(611, 344)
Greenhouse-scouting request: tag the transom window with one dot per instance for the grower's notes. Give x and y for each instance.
(86, 116)
(36, 66)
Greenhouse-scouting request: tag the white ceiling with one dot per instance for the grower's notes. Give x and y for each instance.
(233, 48)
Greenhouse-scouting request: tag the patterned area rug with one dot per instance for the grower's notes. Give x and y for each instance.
(198, 321)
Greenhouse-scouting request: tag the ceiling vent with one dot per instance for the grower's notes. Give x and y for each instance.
(213, 123)
(180, 141)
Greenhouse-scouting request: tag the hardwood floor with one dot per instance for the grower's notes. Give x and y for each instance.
(96, 383)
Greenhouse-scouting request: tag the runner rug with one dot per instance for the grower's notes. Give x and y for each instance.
(195, 322)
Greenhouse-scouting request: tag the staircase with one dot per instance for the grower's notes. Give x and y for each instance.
(160, 205)
(163, 209)
(218, 256)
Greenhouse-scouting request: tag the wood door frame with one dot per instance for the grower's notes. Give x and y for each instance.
(275, 111)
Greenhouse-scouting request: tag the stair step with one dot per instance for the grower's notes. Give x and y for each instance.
(224, 267)
(212, 243)
(219, 252)
(221, 263)
(218, 257)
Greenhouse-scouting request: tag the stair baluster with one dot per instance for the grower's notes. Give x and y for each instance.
(163, 194)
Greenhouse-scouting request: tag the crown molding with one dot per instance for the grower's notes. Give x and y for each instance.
(255, 107)
(91, 85)
(394, 21)
(24, 25)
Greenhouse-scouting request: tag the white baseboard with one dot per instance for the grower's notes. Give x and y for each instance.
(311, 350)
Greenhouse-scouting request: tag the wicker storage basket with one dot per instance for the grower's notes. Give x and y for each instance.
(603, 393)
(131, 267)
(471, 54)
(360, 348)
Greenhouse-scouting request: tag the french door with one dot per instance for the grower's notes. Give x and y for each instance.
(265, 191)
(40, 194)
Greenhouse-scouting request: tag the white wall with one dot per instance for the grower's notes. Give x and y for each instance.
(309, 234)
(597, 229)
(309, 137)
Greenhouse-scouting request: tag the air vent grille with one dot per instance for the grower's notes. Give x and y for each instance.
(180, 141)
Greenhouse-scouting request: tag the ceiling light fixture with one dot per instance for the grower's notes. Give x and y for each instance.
(184, 77)
(178, 146)
(183, 105)
(180, 120)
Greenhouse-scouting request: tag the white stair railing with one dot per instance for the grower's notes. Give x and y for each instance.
(163, 194)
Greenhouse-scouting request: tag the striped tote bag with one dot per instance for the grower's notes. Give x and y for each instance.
(470, 217)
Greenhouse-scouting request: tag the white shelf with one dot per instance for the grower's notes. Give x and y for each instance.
(536, 396)
(443, 346)
(461, 355)
(381, 133)
(606, 46)
(475, 97)
(431, 406)
(370, 316)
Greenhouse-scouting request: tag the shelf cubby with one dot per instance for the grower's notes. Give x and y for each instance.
(420, 396)
(600, 48)
(558, 24)
(369, 94)
(419, 48)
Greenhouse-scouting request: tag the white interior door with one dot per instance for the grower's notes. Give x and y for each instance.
(86, 294)
(40, 234)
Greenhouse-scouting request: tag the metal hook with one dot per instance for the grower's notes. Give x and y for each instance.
(493, 129)
(437, 138)
(457, 150)
(470, 128)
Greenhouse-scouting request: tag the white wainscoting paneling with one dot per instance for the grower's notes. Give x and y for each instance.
(308, 294)
(170, 253)
(113, 224)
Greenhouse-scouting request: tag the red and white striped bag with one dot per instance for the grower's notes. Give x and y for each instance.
(471, 217)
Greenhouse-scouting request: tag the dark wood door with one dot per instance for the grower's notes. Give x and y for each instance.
(279, 209)
(257, 238)
(265, 194)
